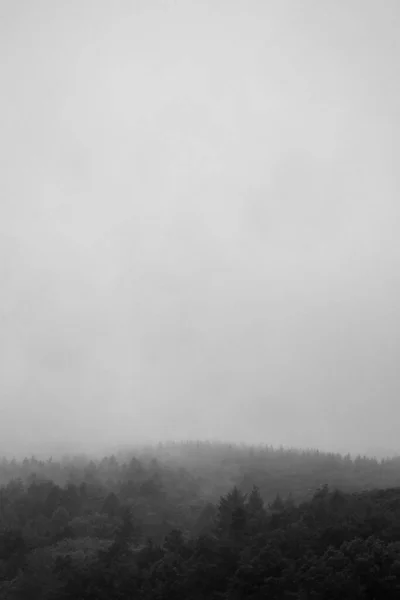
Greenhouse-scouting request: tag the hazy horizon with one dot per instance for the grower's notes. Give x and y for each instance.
(198, 223)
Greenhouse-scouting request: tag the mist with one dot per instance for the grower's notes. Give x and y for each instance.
(198, 223)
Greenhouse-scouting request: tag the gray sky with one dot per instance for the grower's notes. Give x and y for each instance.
(199, 208)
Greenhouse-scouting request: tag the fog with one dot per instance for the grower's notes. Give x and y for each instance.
(199, 208)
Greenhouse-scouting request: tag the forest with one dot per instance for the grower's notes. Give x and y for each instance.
(200, 520)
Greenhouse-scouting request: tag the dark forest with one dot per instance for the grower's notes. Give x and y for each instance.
(200, 520)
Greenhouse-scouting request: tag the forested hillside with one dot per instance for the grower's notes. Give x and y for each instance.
(200, 520)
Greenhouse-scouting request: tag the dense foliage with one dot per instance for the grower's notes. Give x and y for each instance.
(198, 521)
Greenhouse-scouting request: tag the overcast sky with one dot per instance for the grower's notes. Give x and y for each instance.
(199, 222)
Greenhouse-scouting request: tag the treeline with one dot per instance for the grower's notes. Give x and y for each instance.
(209, 469)
(154, 526)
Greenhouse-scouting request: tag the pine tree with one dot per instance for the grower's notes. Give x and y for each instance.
(231, 514)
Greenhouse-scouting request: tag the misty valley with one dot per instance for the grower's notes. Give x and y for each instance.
(200, 520)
